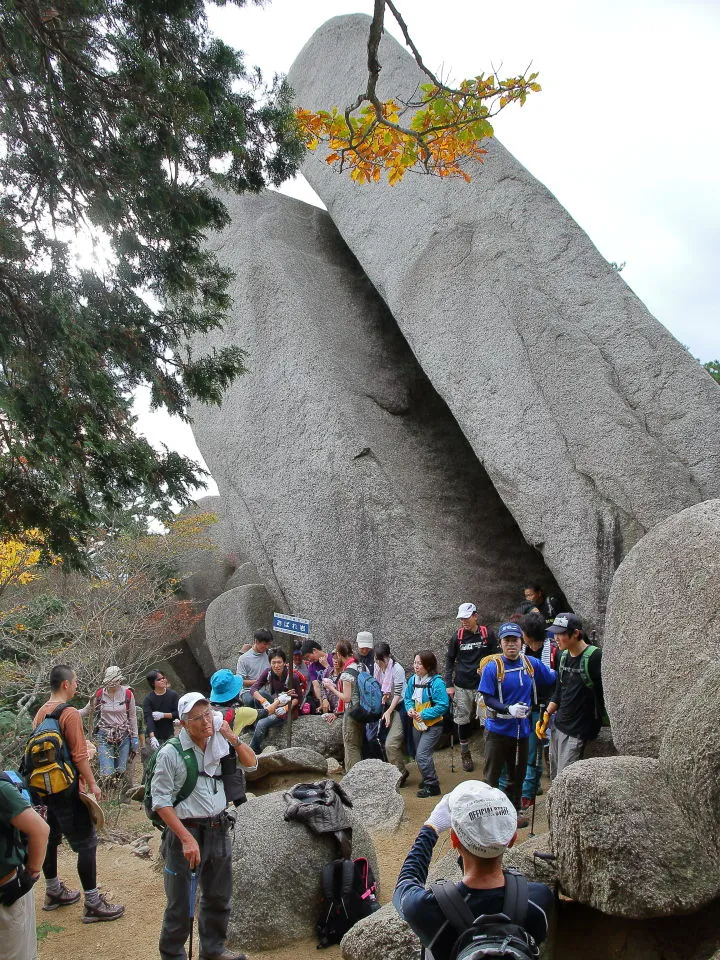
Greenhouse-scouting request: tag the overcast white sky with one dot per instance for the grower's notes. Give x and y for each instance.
(625, 132)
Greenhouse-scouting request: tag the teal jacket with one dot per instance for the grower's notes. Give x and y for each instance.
(435, 692)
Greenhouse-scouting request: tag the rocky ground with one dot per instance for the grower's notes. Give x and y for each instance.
(136, 882)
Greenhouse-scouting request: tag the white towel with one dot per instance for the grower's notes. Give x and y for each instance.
(216, 747)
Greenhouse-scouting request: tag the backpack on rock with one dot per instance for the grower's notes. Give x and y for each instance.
(349, 889)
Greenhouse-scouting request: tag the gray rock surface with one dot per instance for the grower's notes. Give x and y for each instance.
(280, 862)
(623, 843)
(372, 787)
(245, 573)
(663, 625)
(690, 758)
(357, 497)
(312, 732)
(527, 333)
(232, 618)
(383, 935)
(298, 759)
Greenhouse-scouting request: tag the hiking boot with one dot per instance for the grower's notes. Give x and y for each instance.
(403, 778)
(522, 822)
(526, 803)
(429, 792)
(225, 955)
(102, 910)
(467, 761)
(63, 899)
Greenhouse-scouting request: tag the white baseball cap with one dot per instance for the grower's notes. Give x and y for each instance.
(483, 818)
(365, 640)
(466, 610)
(187, 702)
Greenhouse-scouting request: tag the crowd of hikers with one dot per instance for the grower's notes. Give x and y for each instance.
(531, 681)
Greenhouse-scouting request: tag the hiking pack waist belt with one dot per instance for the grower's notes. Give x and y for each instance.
(209, 822)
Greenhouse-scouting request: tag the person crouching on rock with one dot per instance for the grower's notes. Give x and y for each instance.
(426, 703)
(273, 686)
(482, 823)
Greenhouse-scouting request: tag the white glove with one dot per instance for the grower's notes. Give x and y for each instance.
(280, 712)
(439, 819)
(421, 726)
(284, 698)
(157, 715)
(518, 710)
(153, 741)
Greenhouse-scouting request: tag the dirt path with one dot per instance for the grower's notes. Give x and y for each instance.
(137, 883)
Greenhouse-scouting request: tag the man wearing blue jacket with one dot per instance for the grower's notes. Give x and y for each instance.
(482, 823)
(508, 686)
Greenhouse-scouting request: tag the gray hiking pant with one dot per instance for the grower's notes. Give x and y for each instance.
(564, 750)
(215, 885)
(425, 743)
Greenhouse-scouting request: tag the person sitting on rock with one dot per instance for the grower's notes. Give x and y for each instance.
(317, 663)
(225, 688)
(253, 662)
(483, 825)
(577, 702)
(274, 686)
(467, 647)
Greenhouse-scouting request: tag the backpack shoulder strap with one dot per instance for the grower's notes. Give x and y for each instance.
(515, 903)
(348, 877)
(483, 631)
(128, 698)
(55, 715)
(585, 665)
(191, 769)
(456, 911)
(327, 879)
(461, 633)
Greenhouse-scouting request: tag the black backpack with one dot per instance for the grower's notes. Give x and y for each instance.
(349, 888)
(500, 936)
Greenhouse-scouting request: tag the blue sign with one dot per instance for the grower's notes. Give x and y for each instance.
(292, 625)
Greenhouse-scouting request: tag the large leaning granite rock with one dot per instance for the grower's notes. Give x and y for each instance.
(663, 625)
(232, 618)
(355, 494)
(276, 876)
(591, 420)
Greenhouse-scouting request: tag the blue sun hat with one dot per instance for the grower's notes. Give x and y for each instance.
(224, 686)
(509, 629)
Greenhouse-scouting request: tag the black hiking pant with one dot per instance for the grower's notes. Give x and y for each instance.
(501, 751)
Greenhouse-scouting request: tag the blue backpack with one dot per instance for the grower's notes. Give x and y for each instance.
(366, 703)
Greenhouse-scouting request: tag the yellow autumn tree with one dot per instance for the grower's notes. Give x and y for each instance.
(437, 133)
(20, 560)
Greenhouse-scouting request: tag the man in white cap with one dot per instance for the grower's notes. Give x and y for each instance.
(197, 837)
(482, 823)
(366, 644)
(468, 645)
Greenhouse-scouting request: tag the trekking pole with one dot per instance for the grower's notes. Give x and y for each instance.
(452, 750)
(516, 779)
(193, 891)
(538, 774)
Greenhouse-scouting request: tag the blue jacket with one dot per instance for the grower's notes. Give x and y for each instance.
(435, 692)
(517, 687)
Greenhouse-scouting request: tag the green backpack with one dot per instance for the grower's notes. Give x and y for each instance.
(191, 778)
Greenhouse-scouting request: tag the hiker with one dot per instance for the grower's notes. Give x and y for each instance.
(159, 709)
(467, 647)
(508, 687)
(316, 664)
(482, 824)
(365, 645)
(577, 703)
(23, 843)
(253, 662)
(197, 834)
(549, 607)
(225, 688)
(536, 644)
(115, 726)
(274, 686)
(391, 676)
(67, 815)
(346, 667)
(426, 703)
